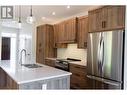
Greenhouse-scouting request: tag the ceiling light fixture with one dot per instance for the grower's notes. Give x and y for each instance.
(30, 19)
(68, 7)
(53, 13)
(43, 18)
(19, 20)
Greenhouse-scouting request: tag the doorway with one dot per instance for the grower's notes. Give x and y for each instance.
(5, 48)
(8, 46)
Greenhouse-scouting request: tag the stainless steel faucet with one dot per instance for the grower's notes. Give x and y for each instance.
(23, 50)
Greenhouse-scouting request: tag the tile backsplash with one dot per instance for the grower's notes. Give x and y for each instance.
(72, 52)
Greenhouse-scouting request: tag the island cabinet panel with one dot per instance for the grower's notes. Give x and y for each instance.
(11, 84)
(2, 79)
(48, 84)
(82, 32)
(78, 78)
(6, 82)
(107, 18)
(45, 43)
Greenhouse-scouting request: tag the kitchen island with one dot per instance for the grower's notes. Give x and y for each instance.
(15, 76)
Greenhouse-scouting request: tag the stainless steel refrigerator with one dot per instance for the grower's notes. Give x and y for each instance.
(105, 59)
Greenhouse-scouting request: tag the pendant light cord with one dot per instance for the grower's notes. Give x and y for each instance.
(19, 14)
(31, 11)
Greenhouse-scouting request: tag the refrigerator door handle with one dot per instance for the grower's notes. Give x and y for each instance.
(100, 54)
(104, 80)
(98, 57)
(102, 61)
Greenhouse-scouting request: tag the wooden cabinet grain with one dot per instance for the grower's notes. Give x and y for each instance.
(6, 82)
(65, 31)
(50, 62)
(45, 43)
(11, 84)
(78, 78)
(2, 79)
(58, 37)
(82, 32)
(70, 30)
(107, 18)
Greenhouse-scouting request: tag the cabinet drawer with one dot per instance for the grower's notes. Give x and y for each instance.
(50, 63)
(77, 82)
(77, 69)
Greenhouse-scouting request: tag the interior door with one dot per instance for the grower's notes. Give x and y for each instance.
(5, 54)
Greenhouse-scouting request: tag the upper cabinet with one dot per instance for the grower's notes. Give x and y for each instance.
(70, 30)
(82, 32)
(107, 18)
(65, 32)
(59, 36)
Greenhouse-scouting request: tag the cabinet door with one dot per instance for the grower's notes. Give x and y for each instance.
(70, 32)
(61, 33)
(82, 32)
(40, 45)
(57, 42)
(107, 18)
(116, 17)
(94, 20)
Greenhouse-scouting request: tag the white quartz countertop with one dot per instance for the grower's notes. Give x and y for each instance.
(23, 74)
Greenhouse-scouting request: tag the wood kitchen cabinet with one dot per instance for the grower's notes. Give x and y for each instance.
(82, 32)
(45, 43)
(2, 79)
(6, 82)
(70, 30)
(11, 84)
(107, 18)
(58, 36)
(78, 78)
(50, 62)
(65, 31)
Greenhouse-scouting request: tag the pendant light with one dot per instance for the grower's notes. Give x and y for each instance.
(19, 20)
(30, 19)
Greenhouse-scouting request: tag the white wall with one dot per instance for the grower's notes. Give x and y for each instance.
(72, 52)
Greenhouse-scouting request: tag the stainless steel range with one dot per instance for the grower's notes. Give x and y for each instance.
(63, 64)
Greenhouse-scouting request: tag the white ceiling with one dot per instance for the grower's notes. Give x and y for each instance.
(46, 11)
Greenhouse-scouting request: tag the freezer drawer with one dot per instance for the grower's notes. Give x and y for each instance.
(100, 83)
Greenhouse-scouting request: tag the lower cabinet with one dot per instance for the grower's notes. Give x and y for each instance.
(6, 82)
(78, 78)
(50, 62)
(10, 83)
(2, 79)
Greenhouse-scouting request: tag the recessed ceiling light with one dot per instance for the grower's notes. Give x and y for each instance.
(43, 18)
(53, 13)
(68, 7)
